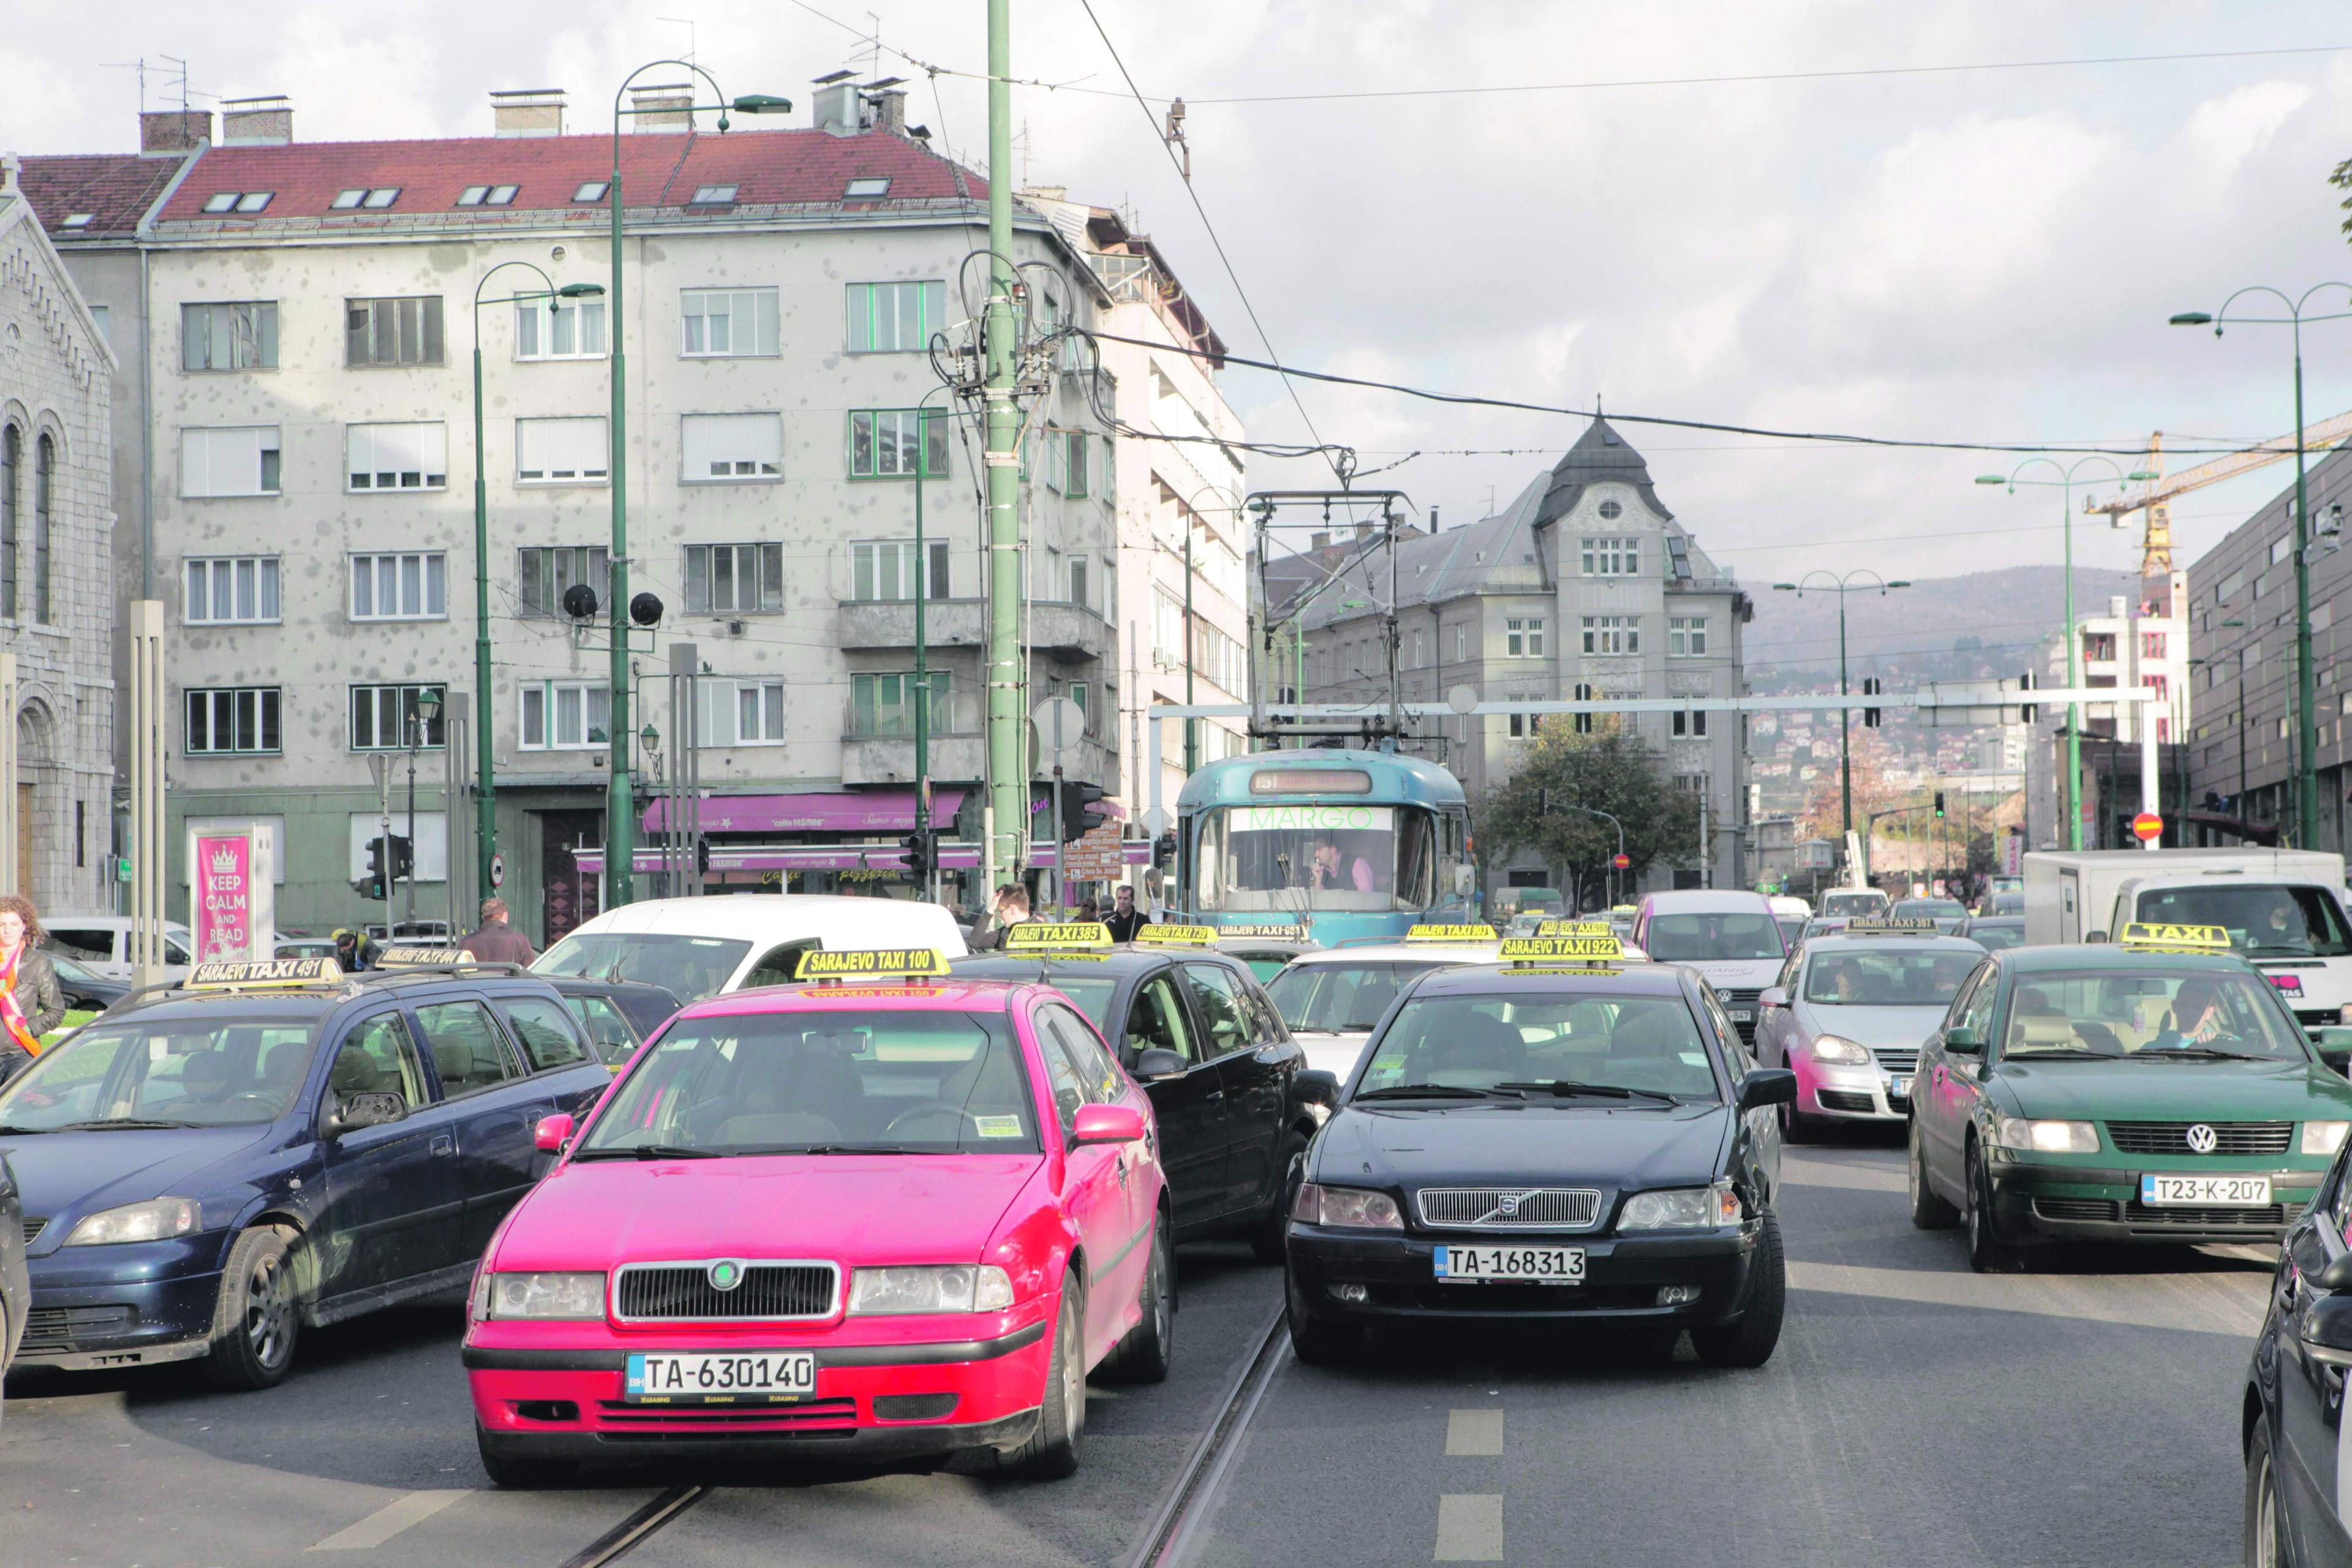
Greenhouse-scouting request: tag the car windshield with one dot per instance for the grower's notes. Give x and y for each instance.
(1893, 977)
(1930, 909)
(689, 967)
(1331, 997)
(2151, 1015)
(834, 1080)
(1791, 926)
(1298, 857)
(2268, 922)
(1647, 1045)
(1994, 935)
(1729, 933)
(1853, 903)
(208, 1071)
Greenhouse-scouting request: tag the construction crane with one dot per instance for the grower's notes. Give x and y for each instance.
(2156, 497)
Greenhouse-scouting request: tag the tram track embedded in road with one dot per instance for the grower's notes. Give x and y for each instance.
(1175, 1524)
(655, 1515)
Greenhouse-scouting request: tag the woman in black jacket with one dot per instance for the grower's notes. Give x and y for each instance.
(30, 1003)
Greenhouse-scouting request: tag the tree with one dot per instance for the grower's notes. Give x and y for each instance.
(1825, 815)
(1608, 770)
(2342, 180)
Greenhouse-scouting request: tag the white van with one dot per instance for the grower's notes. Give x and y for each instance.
(102, 943)
(699, 947)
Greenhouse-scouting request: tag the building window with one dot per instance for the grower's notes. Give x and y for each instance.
(378, 197)
(405, 588)
(393, 331)
(12, 463)
(238, 201)
(385, 718)
(728, 323)
(1523, 637)
(1081, 693)
(2099, 646)
(2151, 643)
(231, 590)
(543, 573)
(865, 187)
(1066, 463)
(241, 336)
(1613, 633)
(713, 196)
(45, 466)
(1688, 723)
(2280, 546)
(1461, 640)
(487, 196)
(894, 318)
(1583, 722)
(566, 715)
(734, 579)
(560, 451)
(1686, 637)
(1691, 783)
(1612, 557)
(591, 190)
(884, 569)
(1221, 661)
(229, 460)
(1518, 726)
(559, 329)
(1077, 582)
(232, 721)
(2160, 685)
(721, 448)
(758, 713)
(882, 444)
(397, 457)
(884, 704)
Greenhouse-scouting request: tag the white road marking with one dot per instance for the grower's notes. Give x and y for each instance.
(1472, 1432)
(1469, 1528)
(2192, 1305)
(389, 1520)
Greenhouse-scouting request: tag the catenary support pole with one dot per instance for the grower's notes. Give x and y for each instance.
(1006, 853)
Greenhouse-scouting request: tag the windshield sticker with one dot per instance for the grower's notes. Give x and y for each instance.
(998, 1126)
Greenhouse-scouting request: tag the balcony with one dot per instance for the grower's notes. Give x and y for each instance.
(890, 759)
(1062, 630)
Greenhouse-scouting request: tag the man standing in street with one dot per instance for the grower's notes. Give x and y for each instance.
(1126, 920)
(495, 942)
(1009, 907)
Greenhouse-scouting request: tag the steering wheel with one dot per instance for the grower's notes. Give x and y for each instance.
(936, 1108)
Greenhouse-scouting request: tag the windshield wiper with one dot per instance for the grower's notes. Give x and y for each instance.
(835, 1149)
(1568, 1086)
(134, 1122)
(2074, 1053)
(646, 1151)
(2206, 1051)
(1426, 1091)
(6, 1128)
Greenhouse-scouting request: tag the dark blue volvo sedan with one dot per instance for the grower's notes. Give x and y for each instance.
(206, 1170)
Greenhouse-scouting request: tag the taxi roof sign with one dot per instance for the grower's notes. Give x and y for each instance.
(862, 964)
(1625, 908)
(1045, 936)
(1275, 930)
(1890, 925)
(1454, 934)
(1175, 936)
(266, 972)
(424, 958)
(2152, 936)
(1588, 949)
(1573, 928)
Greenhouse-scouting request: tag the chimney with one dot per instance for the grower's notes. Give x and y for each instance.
(175, 129)
(839, 111)
(264, 122)
(1318, 541)
(1364, 531)
(664, 108)
(890, 112)
(528, 112)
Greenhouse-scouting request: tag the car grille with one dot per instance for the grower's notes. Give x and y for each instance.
(1897, 1061)
(672, 1292)
(2229, 1137)
(2315, 1017)
(1733, 1001)
(1529, 1208)
(1844, 1099)
(32, 1229)
(2075, 1208)
(2267, 1216)
(687, 1420)
(49, 1329)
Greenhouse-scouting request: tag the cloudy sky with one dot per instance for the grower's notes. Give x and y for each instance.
(1973, 255)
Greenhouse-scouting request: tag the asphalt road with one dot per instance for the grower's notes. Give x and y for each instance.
(1917, 1413)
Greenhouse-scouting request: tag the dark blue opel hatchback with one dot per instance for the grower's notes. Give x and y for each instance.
(206, 1170)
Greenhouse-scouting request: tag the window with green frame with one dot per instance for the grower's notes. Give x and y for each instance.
(1065, 462)
(894, 318)
(884, 704)
(882, 444)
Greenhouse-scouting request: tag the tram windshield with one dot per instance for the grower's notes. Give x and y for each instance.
(1317, 856)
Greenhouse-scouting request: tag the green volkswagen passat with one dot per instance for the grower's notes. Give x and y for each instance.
(2108, 1094)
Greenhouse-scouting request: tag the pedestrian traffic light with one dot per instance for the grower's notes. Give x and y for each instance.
(1939, 804)
(1871, 687)
(371, 885)
(1076, 820)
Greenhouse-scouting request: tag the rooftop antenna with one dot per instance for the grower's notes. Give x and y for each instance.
(688, 23)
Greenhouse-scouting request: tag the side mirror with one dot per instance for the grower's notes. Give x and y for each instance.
(2333, 1043)
(551, 1134)
(1768, 1086)
(1963, 1041)
(2094, 936)
(2336, 1277)
(1094, 1124)
(1319, 1088)
(373, 1109)
(1157, 1063)
(1773, 996)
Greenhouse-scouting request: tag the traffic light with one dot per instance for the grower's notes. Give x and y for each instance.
(702, 855)
(403, 859)
(1076, 820)
(1164, 850)
(2026, 710)
(1939, 805)
(371, 885)
(921, 849)
(1871, 687)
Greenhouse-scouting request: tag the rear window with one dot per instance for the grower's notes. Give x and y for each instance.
(1890, 978)
(2271, 921)
(1676, 938)
(689, 967)
(1334, 997)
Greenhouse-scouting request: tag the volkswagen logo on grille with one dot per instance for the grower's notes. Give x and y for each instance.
(2200, 1139)
(1508, 1206)
(725, 1274)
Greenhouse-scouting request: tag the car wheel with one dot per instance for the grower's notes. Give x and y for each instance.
(1930, 1210)
(256, 1320)
(1796, 1126)
(1052, 1451)
(1268, 1238)
(510, 1474)
(1144, 1354)
(2266, 1533)
(1318, 1342)
(3, 1363)
(1749, 1341)
(1987, 1253)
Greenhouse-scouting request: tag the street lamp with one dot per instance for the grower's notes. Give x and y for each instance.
(620, 799)
(1842, 587)
(2307, 785)
(486, 812)
(2064, 484)
(428, 708)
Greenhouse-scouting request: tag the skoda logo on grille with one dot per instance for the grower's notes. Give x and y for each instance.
(726, 1274)
(2200, 1139)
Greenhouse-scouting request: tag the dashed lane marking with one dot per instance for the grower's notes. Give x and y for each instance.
(1473, 1432)
(389, 1520)
(1469, 1528)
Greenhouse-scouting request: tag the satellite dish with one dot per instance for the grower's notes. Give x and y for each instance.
(1462, 699)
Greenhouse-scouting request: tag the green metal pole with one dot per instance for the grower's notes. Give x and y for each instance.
(2306, 724)
(486, 789)
(1845, 726)
(620, 799)
(1191, 726)
(2074, 710)
(922, 666)
(1008, 772)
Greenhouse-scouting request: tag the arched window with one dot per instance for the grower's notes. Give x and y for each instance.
(11, 457)
(45, 469)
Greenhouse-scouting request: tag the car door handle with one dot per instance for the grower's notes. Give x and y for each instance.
(444, 1144)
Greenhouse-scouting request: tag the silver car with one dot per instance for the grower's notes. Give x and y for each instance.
(1330, 998)
(1848, 1015)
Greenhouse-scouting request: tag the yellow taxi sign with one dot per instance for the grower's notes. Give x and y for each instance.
(2152, 936)
(844, 964)
(1041, 936)
(1600, 949)
(1571, 927)
(423, 958)
(224, 976)
(1890, 925)
(1264, 931)
(1175, 936)
(1456, 933)
(1626, 909)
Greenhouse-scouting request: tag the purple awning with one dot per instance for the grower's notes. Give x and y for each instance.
(872, 811)
(844, 858)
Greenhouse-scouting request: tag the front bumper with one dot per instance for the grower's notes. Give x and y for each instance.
(1839, 1092)
(135, 1304)
(1622, 1276)
(2040, 1201)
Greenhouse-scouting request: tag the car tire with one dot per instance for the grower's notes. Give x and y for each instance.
(1143, 1356)
(510, 1474)
(1796, 1126)
(2266, 1528)
(4, 1364)
(1051, 1453)
(1748, 1340)
(1268, 1238)
(1930, 1210)
(255, 1319)
(1318, 1342)
(1987, 1253)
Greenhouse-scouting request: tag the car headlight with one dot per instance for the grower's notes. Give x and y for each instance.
(2324, 1137)
(150, 1221)
(2031, 1137)
(538, 1296)
(1350, 1208)
(956, 1287)
(1839, 1050)
(1681, 1208)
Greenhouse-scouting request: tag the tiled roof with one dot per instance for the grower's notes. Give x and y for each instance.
(1599, 454)
(115, 188)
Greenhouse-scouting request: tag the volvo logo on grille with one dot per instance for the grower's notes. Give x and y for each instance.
(725, 1274)
(1508, 1206)
(2200, 1139)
